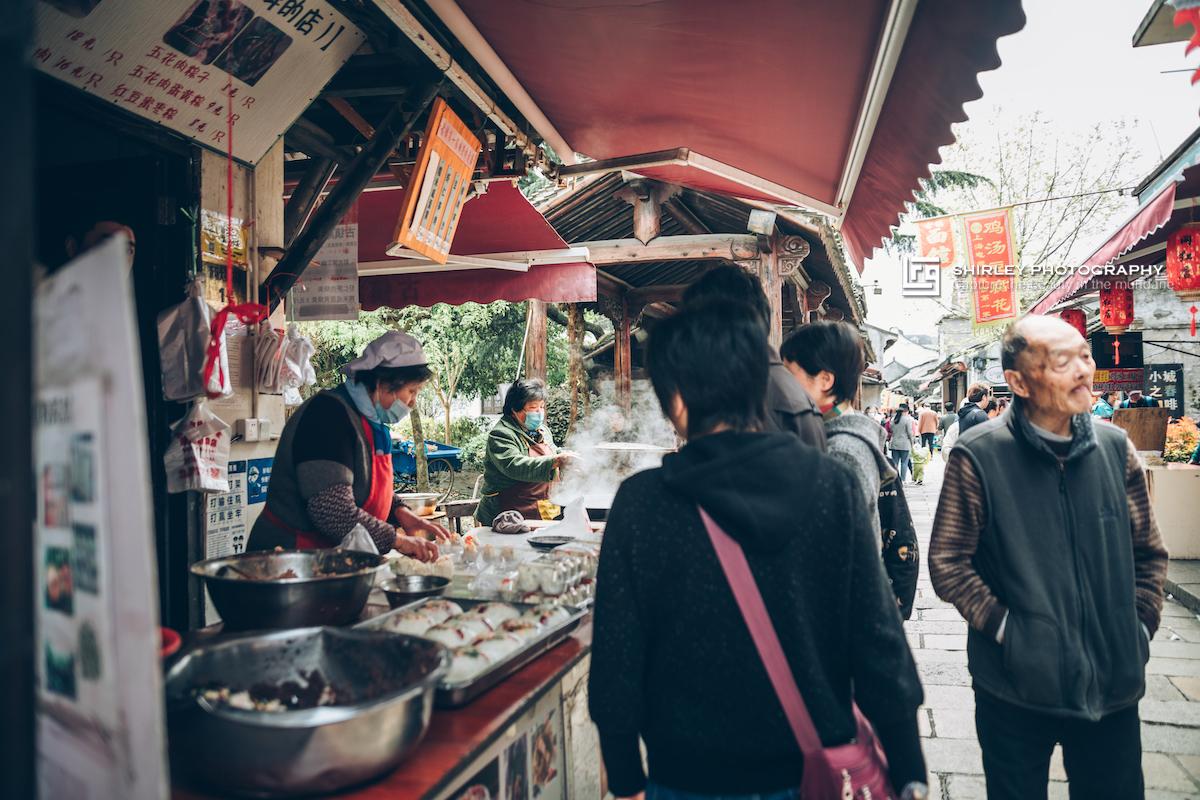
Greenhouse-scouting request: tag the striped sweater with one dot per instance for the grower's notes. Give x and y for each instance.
(962, 517)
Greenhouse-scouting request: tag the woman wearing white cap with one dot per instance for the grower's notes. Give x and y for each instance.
(333, 467)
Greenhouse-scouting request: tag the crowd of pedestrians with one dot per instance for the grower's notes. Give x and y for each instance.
(749, 637)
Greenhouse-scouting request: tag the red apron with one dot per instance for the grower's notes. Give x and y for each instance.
(378, 505)
(523, 497)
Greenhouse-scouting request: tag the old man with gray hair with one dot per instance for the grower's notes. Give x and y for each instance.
(1045, 541)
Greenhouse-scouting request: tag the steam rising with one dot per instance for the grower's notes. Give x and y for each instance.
(598, 473)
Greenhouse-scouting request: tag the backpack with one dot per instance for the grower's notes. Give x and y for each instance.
(898, 537)
(901, 557)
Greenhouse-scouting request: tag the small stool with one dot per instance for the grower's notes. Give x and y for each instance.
(455, 510)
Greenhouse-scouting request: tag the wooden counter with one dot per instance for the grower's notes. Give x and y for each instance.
(457, 738)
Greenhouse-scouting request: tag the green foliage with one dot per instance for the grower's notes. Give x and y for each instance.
(558, 413)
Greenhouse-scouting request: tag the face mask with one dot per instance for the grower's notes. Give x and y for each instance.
(534, 420)
(390, 416)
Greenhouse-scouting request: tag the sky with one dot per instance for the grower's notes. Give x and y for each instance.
(1074, 63)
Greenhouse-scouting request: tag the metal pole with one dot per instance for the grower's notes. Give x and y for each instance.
(394, 128)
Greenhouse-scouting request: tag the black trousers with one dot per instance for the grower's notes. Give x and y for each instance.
(1103, 759)
(930, 440)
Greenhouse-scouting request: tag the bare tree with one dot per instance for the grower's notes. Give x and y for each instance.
(1032, 161)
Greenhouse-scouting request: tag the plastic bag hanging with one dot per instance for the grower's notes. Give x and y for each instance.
(296, 369)
(183, 335)
(198, 457)
(268, 359)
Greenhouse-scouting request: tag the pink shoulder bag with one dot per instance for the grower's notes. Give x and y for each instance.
(854, 771)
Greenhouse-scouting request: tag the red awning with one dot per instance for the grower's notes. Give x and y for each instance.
(1145, 221)
(499, 222)
(769, 97)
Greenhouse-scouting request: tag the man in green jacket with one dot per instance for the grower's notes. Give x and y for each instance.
(521, 459)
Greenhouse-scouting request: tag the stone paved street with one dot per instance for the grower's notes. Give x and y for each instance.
(938, 635)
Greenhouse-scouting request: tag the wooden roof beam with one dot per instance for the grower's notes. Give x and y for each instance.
(728, 246)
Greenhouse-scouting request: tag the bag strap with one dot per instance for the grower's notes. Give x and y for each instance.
(762, 631)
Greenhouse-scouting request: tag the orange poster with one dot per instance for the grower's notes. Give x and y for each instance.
(993, 266)
(935, 239)
(438, 188)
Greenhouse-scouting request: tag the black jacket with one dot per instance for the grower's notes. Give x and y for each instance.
(672, 660)
(1061, 561)
(969, 416)
(789, 408)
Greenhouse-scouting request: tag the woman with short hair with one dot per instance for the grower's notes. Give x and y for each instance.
(673, 662)
(521, 460)
(828, 358)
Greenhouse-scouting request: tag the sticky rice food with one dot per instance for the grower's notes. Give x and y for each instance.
(495, 614)
(472, 625)
(414, 623)
(449, 634)
(498, 646)
(524, 629)
(404, 565)
(466, 663)
(440, 610)
(547, 614)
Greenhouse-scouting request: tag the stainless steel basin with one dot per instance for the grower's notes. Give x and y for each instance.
(391, 680)
(289, 588)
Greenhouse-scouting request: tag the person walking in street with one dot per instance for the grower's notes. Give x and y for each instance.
(827, 359)
(674, 663)
(927, 426)
(1045, 541)
(789, 409)
(979, 396)
(1105, 405)
(901, 440)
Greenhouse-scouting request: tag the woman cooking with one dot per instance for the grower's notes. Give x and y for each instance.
(333, 466)
(521, 458)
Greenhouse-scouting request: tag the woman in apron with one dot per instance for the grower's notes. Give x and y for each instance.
(333, 466)
(521, 459)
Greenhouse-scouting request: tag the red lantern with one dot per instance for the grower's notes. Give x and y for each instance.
(1116, 307)
(1183, 261)
(1076, 319)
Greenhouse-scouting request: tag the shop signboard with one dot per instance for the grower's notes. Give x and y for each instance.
(1118, 380)
(1164, 382)
(99, 727)
(992, 258)
(328, 289)
(189, 65)
(439, 186)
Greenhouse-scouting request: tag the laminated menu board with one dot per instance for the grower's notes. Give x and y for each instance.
(438, 189)
(99, 692)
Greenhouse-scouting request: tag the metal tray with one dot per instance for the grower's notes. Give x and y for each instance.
(456, 695)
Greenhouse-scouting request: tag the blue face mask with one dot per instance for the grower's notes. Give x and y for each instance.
(390, 416)
(534, 420)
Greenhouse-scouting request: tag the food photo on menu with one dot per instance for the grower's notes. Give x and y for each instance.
(207, 28)
(484, 785)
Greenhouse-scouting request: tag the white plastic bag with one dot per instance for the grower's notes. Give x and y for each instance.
(198, 457)
(296, 368)
(359, 539)
(183, 336)
(268, 359)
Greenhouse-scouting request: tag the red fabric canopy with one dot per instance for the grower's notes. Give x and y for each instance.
(1148, 219)
(500, 221)
(772, 88)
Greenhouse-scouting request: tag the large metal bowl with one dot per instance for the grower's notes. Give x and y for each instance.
(262, 754)
(322, 587)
